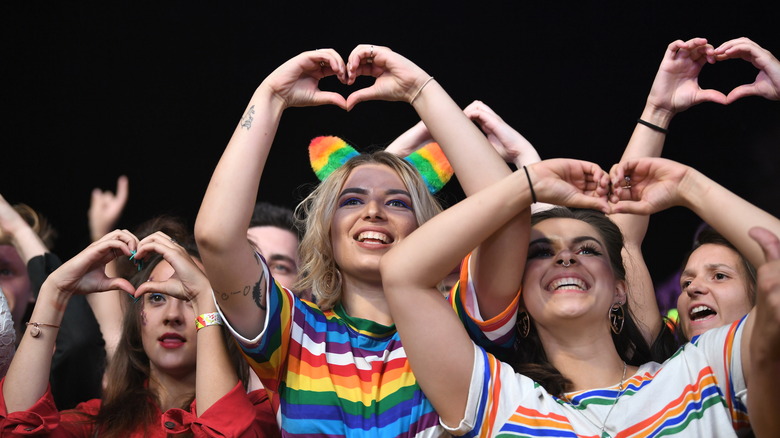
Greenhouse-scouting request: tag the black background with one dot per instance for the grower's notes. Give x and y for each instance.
(154, 90)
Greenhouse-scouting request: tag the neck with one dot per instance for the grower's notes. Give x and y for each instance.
(588, 360)
(171, 390)
(365, 300)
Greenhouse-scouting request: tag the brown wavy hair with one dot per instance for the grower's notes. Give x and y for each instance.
(530, 358)
(128, 403)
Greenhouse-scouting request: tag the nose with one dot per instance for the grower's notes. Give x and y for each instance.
(373, 210)
(565, 258)
(174, 312)
(696, 287)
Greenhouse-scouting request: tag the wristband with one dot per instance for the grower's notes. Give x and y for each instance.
(652, 126)
(207, 319)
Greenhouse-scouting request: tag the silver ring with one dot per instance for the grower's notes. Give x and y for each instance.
(370, 59)
(565, 265)
(322, 64)
(628, 182)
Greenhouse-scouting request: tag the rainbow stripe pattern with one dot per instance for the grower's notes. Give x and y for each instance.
(698, 392)
(328, 153)
(330, 375)
(433, 166)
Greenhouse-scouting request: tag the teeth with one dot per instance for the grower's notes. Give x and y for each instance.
(373, 235)
(701, 311)
(568, 283)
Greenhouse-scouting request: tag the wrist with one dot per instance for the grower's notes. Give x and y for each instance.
(658, 116)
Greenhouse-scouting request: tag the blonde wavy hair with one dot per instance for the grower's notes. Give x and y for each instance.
(314, 215)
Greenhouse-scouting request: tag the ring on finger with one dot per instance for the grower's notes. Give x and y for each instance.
(370, 59)
(627, 185)
(322, 64)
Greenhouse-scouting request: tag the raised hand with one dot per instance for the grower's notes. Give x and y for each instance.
(767, 83)
(397, 78)
(106, 207)
(188, 283)
(572, 183)
(86, 272)
(646, 185)
(296, 82)
(509, 143)
(676, 85)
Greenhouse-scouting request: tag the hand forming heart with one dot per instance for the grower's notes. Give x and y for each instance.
(296, 82)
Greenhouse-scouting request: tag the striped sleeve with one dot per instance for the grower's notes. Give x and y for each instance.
(496, 335)
(268, 351)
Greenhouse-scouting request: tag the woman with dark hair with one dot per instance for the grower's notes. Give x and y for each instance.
(165, 359)
(578, 369)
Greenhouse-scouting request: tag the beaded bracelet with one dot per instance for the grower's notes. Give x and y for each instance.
(207, 319)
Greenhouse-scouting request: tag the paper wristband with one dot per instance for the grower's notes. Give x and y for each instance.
(207, 319)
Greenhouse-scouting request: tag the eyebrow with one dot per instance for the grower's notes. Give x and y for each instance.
(282, 258)
(360, 191)
(576, 240)
(710, 267)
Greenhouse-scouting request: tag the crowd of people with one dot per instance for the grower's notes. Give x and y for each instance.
(329, 320)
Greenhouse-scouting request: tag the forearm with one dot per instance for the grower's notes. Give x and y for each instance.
(709, 200)
(107, 308)
(223, 219)
(27, 243)
(474, 160)
(215, 375)
(28, 375)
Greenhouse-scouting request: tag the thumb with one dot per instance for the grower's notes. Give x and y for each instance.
(740, 92)
(120, 284)
(328, 97)
(712, 96)
(360, 96)
(768, 242)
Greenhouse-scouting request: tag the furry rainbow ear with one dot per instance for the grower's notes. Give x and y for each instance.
(433, 166)
(328, 153)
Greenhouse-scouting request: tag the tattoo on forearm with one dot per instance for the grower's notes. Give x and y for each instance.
(257, 292)
(246, 122)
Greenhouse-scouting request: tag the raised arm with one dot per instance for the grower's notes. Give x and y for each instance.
(760, 355)
(472, 157)
(220, 230)
(215, 375)
(439, 350)
(28, 376)
(675, 89)
(658, 184)
(105, 208)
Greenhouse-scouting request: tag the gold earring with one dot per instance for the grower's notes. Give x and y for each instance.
(524, 324)
(617, 318)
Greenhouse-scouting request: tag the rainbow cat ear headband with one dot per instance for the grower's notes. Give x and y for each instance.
(328, 153)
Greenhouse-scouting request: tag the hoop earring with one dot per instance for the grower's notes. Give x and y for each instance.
(524, 324)
(617, 318)
(337, 285)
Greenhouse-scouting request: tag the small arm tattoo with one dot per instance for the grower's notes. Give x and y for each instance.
(257, 292)
(246, 122)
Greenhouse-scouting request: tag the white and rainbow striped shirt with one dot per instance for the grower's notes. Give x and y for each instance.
(698, 392)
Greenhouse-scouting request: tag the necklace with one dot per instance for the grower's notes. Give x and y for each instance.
(604, 424)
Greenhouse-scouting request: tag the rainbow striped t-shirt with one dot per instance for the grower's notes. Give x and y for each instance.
(700, 391)
(330, 375)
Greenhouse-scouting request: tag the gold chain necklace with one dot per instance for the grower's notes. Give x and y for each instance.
(604, 424)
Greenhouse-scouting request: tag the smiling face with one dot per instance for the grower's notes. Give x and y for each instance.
(714, 290)
(373, 212)
(582, 291)
(168, 330)
(15, 282)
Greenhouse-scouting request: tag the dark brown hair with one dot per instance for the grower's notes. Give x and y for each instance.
(530, 358)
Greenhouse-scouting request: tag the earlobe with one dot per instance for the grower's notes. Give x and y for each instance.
(620, 292)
